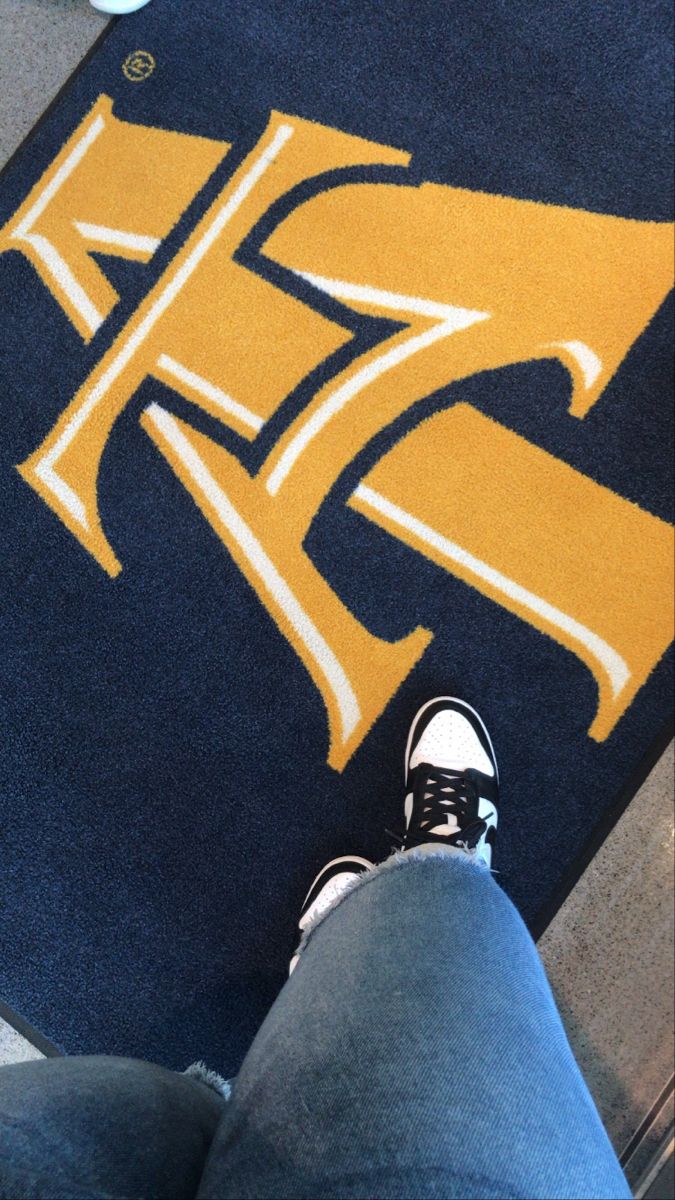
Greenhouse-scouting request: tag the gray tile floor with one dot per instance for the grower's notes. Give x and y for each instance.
(609, 951)
(41, 43)
(609, 957)
(14, 1047)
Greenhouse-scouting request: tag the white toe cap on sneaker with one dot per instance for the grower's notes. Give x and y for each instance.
(328, 897)
(118, 7)
(450, 740)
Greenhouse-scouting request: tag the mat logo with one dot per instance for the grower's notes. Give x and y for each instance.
(468, 282)
(138, 66)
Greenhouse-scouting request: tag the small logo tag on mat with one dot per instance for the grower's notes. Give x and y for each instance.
(138, 66)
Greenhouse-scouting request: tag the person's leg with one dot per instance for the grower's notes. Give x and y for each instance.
(416, 1049)
(103, 1127)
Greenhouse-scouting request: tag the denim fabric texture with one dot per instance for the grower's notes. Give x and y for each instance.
(84, 1128)
(165, 798)
(415, 1051)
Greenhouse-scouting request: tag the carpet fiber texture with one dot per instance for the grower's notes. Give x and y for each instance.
(336, 374)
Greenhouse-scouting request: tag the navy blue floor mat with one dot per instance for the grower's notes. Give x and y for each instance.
(337, 360)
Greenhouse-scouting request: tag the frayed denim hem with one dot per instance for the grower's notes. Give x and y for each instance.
(212, 1079)
(397, 860)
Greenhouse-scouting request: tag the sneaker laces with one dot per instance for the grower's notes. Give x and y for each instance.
(438, 793)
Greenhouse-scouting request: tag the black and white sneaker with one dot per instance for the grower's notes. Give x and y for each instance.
(330, 884)
(452, 781)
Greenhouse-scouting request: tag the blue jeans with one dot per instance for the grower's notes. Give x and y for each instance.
(415, 1051)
